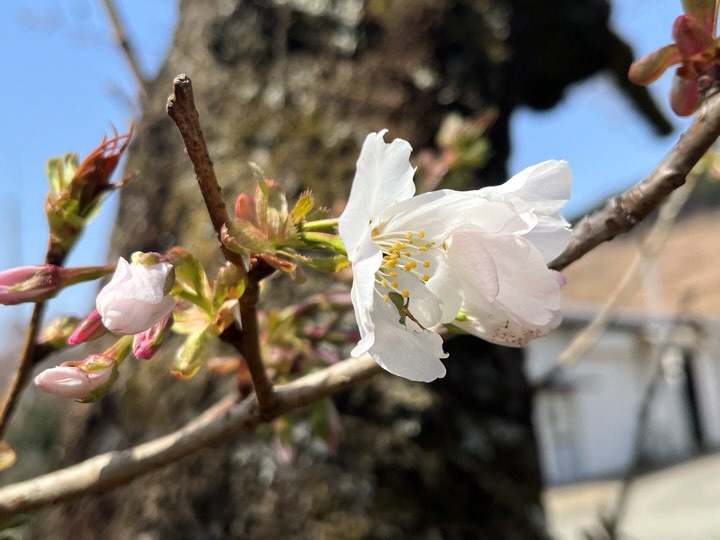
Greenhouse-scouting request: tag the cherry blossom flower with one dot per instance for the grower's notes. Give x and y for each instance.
(477, 259)
(135, 298)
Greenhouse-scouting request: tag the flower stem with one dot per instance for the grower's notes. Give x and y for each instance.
(320, 224)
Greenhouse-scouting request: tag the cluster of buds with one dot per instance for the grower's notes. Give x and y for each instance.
(265, 228)
(696, 49)
(135, 304)
(77, 189)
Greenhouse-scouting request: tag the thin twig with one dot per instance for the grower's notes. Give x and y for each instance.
(229, 417)
(125, 44)
(25, 366)
(623, 212)
(250, 350)
(181, 108)
(648, 249)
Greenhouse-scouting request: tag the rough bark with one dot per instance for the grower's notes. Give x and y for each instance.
(296, 89)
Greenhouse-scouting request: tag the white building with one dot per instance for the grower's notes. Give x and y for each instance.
(585, 421)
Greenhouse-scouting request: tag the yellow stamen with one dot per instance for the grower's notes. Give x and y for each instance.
(405, 293)
(426, 264)
(421, 234)
(409, 266)
(394, 284)
(425, 277)
(385, 297)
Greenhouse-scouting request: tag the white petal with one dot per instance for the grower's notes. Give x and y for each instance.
(550, 236)
(443, 284)
(362, 295)
(527, 301)
(422, 302)
(383, 177)
(545, 187)
(438, 212)
(407, 351)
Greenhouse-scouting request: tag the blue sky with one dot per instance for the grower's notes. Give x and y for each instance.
(65, 84)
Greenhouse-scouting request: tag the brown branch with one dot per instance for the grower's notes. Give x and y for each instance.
(647, 251)
(623, 212)
(249, 348)
(229, 417)
(124, 42)
(28, 359)
(181, 108)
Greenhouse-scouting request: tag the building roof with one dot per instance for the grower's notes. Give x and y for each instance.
(688, 266)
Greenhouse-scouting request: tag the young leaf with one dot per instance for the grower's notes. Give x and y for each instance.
(189, 273)
(705, 11)
(243, 237)
(191, 356)
(229, 285)
(649, 67)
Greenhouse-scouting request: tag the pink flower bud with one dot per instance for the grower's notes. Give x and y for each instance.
(89, 329)
(42, 281)
(245, 208)
(29, 283)
(147, 343)
(136, 297)
(71, 381)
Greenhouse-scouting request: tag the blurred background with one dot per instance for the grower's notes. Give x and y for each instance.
(282, 81)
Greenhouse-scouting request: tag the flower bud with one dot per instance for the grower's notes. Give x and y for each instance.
(136, 297)
(72, 381)
(42, 281)
(89, 329)
(147, 343)
(245, 208)
(55, 334)
(29, 283)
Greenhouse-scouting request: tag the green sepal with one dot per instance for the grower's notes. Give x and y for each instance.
(191, 282)
(331, 241)
(102, 390)
(303, 206)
